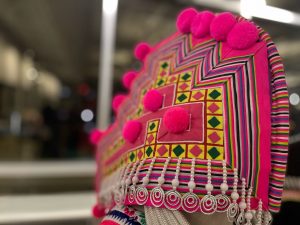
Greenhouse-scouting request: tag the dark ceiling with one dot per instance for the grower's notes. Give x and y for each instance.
(64, 34)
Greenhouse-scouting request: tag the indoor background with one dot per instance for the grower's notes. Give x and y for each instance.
(53, 66)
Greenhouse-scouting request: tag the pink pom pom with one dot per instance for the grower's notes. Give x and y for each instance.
(221, 25)
(117, 101)
(97, 212)
(95, 136)
(184, 20)
(132, 130)
(176, 120)
(141, 50)
(153, 100)
(200, 26)
(128, 78)
(243, 35)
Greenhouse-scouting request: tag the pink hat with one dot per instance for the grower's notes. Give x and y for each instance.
(205, 126)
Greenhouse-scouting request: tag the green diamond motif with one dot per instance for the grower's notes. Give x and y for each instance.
(213, 152)
(132, 156)
(152, 126)
(182, 97)
(160, 82)
(165, 65)
(149, 151)
(214, 94)
(214, 122)
(178, 150)
(139, 111)
(186, 76)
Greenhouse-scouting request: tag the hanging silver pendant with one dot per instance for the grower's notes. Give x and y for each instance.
(141, 195)
(190, 202)
(241, 218)
(232, 212)
(223, 202)
(157, 196)
(172, 200)
(208, 204)
(131, 194)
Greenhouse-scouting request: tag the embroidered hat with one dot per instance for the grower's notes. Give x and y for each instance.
(204, 127)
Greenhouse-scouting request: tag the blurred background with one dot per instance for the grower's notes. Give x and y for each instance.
(60, 63)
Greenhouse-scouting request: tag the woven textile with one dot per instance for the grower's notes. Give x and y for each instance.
(237, 102)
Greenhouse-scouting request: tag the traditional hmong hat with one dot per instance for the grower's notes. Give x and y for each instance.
(204, 127)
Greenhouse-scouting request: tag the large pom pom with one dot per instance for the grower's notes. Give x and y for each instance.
(95, 136)
(97, 212)
(184, 20)
(221, 25)
(243, 35)
(153, 100)
(176, 120)
(200, 26)
(117, 101)
(132, 130)
(141, 50)
(128, 78)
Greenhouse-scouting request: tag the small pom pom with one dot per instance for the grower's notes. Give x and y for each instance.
(153, 100)
(117, 101)
(184, 20)
(221, 25)
(141, 50)
(176, 120)
(132, 130)
(97, 212)
(243, 35)
(200, 26)
(95, 136)
(128, 78)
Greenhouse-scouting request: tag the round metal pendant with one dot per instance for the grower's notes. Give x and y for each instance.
(241, 218)
(157, 196)
(190, 202)
(232, 212)
(208, 204)
(131, 194)
(141, 195)
(172, 200)
(223, 202)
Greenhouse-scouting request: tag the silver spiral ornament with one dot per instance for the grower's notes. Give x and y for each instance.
(172, 200)
(208, 204)
(190, 202)
(131, 194)
(141, 195)
(157, 196)
(232, 212)
(241, 218)
(223, 202)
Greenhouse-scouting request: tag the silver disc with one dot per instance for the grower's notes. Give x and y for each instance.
(232, 212)
(208, 204)
(141, 195)
(223, 202)
(157, 196)
(131, 194)
(190, 202)
(172, 200)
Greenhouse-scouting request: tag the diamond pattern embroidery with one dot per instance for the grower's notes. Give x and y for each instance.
(140, 154)
(132, 156)
(178, 150)
(186, 77)
(196, 151)
(149, 151)
(214, 94)
(213, 108)
(214, 122)
(214, 153)
(162, 150)
(214, 137)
